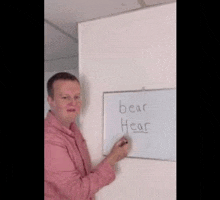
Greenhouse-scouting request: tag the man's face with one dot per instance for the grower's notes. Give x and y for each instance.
(66, 103)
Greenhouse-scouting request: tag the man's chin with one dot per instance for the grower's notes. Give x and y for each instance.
(71, 117)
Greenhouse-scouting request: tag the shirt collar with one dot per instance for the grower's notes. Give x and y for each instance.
(51, 118)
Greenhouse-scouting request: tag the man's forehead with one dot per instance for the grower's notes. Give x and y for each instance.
(66, 85)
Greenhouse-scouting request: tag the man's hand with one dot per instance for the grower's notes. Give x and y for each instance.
(119, 151)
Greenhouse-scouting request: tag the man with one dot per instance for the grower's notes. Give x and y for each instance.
(68, 173)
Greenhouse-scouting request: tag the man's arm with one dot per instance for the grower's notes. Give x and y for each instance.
(66, 181)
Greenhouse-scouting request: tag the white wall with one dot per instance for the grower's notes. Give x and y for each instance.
(128, 52)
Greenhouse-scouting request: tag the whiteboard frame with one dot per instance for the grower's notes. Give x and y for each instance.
(125, 91)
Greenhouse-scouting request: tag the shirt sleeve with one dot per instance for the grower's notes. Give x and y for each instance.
(64, 181)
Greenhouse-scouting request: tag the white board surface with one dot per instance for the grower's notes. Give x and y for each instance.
(147, 117)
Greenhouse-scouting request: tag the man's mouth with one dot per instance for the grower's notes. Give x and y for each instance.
(71, 110)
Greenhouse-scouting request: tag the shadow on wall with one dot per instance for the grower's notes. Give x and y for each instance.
(85, 90)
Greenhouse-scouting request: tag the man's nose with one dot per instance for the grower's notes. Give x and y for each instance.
(72, 102)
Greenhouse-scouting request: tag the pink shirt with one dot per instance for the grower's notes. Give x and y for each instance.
(67, 165)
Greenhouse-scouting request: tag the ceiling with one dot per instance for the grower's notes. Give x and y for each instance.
(61, 18)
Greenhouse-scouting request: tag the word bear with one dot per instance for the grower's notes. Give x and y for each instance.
(123, 109)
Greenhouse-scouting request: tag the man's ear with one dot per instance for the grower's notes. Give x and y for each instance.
(50, 101)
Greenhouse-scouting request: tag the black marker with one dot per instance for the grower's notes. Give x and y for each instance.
(123, 143)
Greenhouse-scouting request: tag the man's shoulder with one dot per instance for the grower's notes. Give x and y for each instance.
(52, 134)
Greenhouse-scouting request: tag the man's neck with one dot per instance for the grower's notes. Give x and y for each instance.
(66, 124)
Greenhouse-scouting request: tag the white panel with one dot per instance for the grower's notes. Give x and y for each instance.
(122, 53)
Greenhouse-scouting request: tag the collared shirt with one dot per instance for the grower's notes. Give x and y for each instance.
(67, 165)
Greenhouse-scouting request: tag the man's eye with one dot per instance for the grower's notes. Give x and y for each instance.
(64, 97)
(77, 97)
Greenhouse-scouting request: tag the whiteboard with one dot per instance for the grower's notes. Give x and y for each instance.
(146, 117)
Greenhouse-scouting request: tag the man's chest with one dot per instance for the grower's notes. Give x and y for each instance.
(78, 152)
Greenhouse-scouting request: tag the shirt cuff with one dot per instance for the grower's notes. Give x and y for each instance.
(107, 171)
